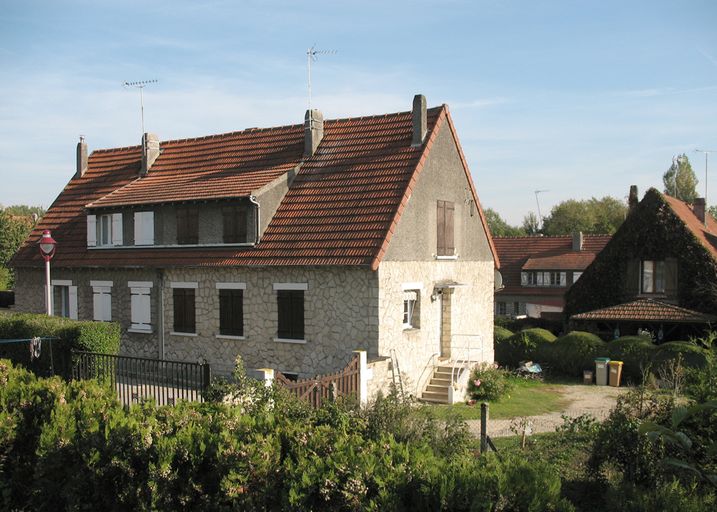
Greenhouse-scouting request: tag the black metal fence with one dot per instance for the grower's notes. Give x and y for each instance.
(137, 378)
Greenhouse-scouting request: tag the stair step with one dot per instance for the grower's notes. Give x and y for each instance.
(436, 389)
(435, 394)
(435, 400)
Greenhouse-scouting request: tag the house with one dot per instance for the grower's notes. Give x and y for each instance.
(291, 246)
(538, 270)
(658, 273)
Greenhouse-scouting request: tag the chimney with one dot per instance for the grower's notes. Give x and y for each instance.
(150, 152)
(632, 198)
(313, 131)
(420, 123)
(81, 157)
(699, 208)
(578, 241)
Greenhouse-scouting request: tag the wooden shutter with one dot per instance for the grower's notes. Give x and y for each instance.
(116, 229)
(181, 225)
(290, 305)
(231, 312)
(144, 228)
(450, 246)
(235, 227)
(72, 298)
(91, 231)
(632, 277)
(193, 225)
(140, 308)
(671, 278)
(184, 314)
(441, 229)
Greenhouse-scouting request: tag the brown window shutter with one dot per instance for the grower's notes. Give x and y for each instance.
(450, 246)
(193, 225)
(441, 229)
(228, 222)
(241, 226)
(190, 313)
(671, 278)
(181, 225)
(291, 314)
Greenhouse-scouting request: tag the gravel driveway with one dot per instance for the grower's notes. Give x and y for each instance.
(596, 401)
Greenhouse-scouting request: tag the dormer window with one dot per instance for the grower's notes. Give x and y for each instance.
(653, 276)
(188, 225)
(235, 224)
(104, 230)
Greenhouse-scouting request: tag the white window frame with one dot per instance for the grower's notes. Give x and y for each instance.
(656, 270)
(108, 227)
(102, 300)
(292, 286)
(140, 306)
(68, 309)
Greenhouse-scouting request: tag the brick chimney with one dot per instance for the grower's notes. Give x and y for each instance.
(150, 152)
(632, 198)
(81, 157)
(699, 208)
(578, 241)
(313, 131)
(420, 122)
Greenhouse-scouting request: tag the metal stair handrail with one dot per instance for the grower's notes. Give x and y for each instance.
(429, 364)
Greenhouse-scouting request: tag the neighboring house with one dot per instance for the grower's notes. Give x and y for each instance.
(658, 273)
(538, 270)
(290, 246)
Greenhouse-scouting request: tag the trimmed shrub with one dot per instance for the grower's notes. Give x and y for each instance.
(488, 382)
(501, 333)
(693, 356)
(569, 355)
(101, 337)
(636, 352)
(521, 346)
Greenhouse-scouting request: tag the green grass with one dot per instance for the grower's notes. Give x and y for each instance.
(527, 398)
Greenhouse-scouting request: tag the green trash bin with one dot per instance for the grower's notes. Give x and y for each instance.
(601, 370)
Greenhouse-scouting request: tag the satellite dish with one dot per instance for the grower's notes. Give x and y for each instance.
(497, 280)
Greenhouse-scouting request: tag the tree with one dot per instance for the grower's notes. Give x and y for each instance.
(531, 225)
(13, 231)
(498, 226)
(592, 216)
(25, 210)
(680, 180)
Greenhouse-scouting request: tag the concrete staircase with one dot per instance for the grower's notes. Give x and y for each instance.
(437, 388)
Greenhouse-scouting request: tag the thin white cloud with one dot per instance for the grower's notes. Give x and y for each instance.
(663, 91)
(707, 55)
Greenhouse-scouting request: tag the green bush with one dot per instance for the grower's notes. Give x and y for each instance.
(501, 333)
(487, 382)
(693, 356)
(521, 346)
(569, 355)
(101, 337)
(636, 352)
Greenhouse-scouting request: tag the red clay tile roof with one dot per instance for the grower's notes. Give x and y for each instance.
(542, 253)
(646, 310)
(706, 235)
(341, 208)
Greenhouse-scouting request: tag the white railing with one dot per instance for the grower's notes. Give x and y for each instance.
(421, 381)
(461, 367)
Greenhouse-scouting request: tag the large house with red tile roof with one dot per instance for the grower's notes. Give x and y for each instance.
(657, 273)
(290, 246)
(538, 270)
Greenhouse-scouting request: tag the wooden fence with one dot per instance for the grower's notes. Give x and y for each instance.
(326, 387)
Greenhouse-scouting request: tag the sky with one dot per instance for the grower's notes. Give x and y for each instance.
(577, 99)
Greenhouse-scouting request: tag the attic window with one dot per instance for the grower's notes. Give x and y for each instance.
(104, 230)
(188, 225)
(653, 276)
(235, 224)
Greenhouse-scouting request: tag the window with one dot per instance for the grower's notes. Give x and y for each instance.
(144, 228)
(102, 300)
(410, 309)
(500, 308)
(576, 276)
(532, 278)
(444, 220)
(653, 276)
(184, 307)
(188, 225)
(140, 306)
(104, 230)
(290, 311)
(231, 311)
(235, 224)
(64, 298)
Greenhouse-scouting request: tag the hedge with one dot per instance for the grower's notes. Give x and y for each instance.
(73, 447)
(569, 355)
(521, 346)
(501, 333)
(101, 337)
(693, 356)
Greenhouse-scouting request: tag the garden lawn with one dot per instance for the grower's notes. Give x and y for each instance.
(527, 398)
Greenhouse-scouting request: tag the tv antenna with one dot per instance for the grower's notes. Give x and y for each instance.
(311, 54)
(140, 85)
(540, 216)
(707, 154)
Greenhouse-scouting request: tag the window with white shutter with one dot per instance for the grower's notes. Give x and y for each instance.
(91, 231)
(102, 300)
(144, 228)
(116, 229)
(140, 306)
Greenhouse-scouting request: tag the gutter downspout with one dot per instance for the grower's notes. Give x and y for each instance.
(160, 309)
(253, 200)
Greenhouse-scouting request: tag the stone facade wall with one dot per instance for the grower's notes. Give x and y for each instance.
(470, 319)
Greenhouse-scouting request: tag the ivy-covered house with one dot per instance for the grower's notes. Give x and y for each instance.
(657, 273)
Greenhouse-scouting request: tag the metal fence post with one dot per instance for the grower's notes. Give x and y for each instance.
(206, 378)
(483, 427)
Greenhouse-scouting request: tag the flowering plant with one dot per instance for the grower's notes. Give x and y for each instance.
(488, 382)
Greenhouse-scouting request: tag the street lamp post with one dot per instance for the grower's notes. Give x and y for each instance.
(47, 251)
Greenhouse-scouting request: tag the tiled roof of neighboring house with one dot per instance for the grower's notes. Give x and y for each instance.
(646, 310)
(341, 209)
(706, 235)
(542, 253)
